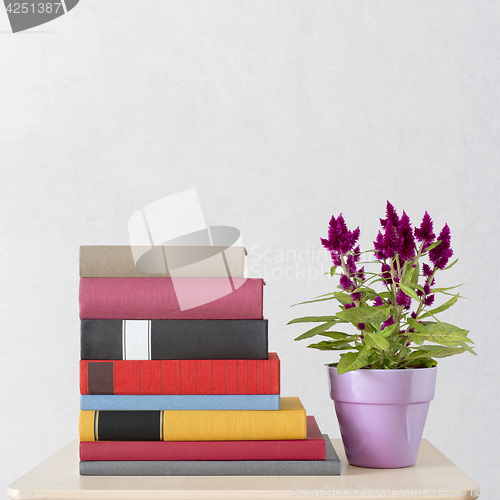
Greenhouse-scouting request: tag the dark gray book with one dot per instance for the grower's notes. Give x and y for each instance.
(328, 467)
(107, 339)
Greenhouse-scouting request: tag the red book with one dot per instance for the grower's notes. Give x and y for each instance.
(171, 298)
(186, 376)
(312, 448)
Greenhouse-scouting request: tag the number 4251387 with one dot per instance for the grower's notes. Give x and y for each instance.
(33, 8)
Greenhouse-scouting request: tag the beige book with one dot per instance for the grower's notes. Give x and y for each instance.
(162, 261)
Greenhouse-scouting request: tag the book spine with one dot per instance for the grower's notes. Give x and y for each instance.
(161, 261)
(196, 402)
(176, 340)
(187, 425)
(329, 467)
(177, 377)
(312, 448)
(171, 298)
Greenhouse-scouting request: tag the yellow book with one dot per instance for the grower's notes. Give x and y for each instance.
(289, 422)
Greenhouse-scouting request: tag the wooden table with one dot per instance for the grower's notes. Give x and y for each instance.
(432, 477)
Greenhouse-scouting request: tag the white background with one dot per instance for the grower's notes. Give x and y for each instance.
(280, 114)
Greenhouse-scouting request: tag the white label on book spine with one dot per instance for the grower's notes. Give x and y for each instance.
(136, 339)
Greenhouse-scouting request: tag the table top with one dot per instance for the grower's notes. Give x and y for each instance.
(433, 476)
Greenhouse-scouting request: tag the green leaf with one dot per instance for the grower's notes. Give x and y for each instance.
(312, 319)
(316, 330)
(332, 270)
(353, 360)
(369, 292)
(440, 333)
(376, 341)
(327, 345)
(388, 330)
(339, 335)
(442, 290)
(451, 265)
(441, 308)
(314, 300)
(430, 247)
(343, 298)
(435, 351)
(406, 289)
(364, 314)
(416, 325)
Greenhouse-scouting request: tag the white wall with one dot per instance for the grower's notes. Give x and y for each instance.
(280, 113)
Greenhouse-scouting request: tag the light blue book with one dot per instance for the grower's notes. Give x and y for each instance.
(181, 402)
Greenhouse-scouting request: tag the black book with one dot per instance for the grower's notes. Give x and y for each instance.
(173, 339)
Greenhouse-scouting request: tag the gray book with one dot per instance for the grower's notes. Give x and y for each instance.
(328, 467)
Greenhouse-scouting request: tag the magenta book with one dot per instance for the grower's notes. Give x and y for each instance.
(171, 298)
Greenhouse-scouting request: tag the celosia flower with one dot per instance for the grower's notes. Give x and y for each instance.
(379, 246)
(386, 274)
(424, 232)
(388, 322)
(392, 241)
(361, 326)
(407, 250)
(378, 301)
(428, 301)
(350, 265)
(346, 283)
(402, 299)
(426, 270)
(361, 274)
(357, 254)
(392, 216)
(340, 239)
(440, 254)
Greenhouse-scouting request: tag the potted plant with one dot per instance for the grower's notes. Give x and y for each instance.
(384, 382)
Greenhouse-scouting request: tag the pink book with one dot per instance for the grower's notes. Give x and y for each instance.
(171, 298)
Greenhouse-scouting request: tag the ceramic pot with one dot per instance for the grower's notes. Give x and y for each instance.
(382, 413)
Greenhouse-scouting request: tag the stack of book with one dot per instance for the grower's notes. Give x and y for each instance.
(175, 374)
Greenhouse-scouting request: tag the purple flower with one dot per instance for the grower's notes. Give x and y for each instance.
(350, 265)
(440, 254)
(356, 296)
(392, 216)
(407, 251)
(414, 315)
(379, 246)
(428, 301)
(348, 306)
(357, 254)
(388, 322)
(402, 299)
(361, 274)
(340, 239)
(386, 274)
(392, 241)
(426, 270)
(346, 283)
(427, 289)
(378, 301)
(361, 326)
(424, 232)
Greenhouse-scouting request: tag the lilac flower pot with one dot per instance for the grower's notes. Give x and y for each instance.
(382, 413)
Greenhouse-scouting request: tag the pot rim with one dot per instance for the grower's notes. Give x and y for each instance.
(388, 370)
